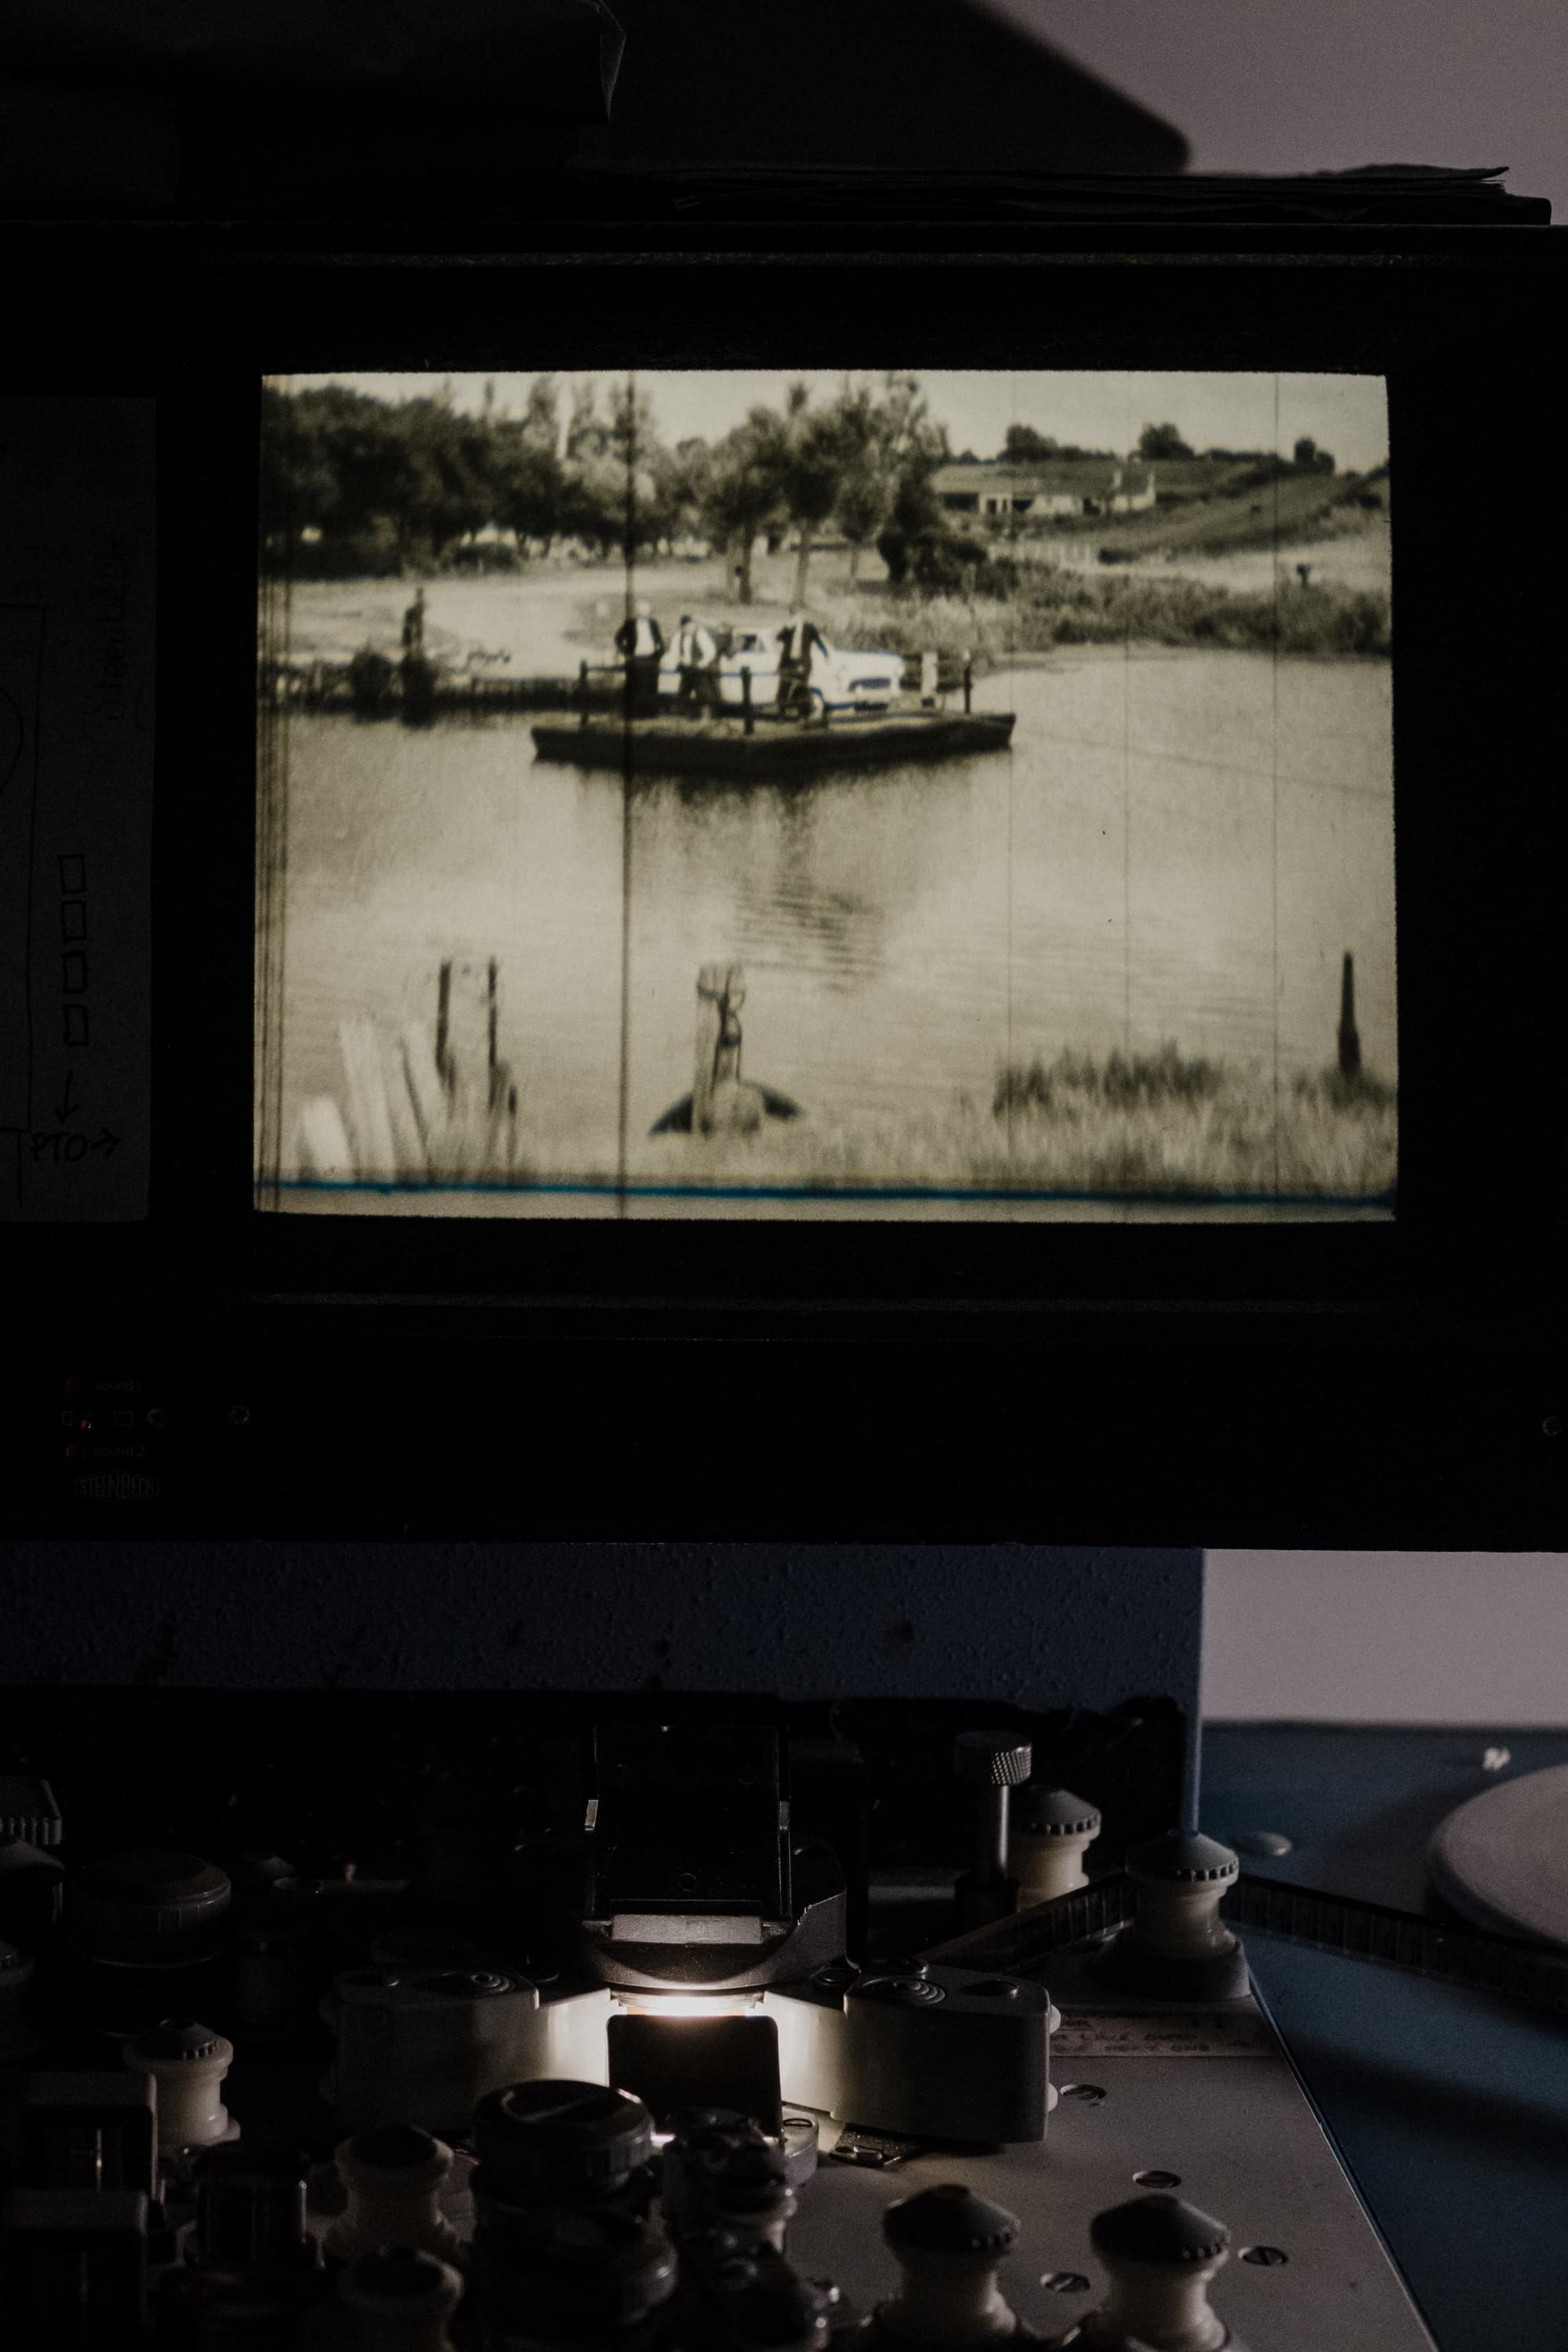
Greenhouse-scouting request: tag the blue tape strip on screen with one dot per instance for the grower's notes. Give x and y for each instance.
(607, 1186)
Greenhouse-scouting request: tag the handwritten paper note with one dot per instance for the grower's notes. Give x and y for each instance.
(77, 590)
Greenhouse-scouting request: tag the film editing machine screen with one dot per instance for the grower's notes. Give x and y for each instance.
(947, 794)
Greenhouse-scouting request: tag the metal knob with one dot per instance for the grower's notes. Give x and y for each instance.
(990, 1763)
(1159, 2255)
(994, 1759)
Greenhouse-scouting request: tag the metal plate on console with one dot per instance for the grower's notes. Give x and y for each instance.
(1162, 2034)
(1242, 2143)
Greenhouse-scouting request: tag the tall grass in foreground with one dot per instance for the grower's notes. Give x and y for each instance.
(1172, 1126)
(1162, 1123)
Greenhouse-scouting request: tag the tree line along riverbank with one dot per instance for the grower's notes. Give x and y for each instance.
(355, 486)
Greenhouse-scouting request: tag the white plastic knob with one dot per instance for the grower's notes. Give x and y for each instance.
(1159, 2255)
(1052, 1831)
(1046, 1867)
(1181, 1880)
(950, 2245)
(392, 2174)
(187, 2062)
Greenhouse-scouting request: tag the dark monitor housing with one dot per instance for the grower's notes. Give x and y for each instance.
(1397, 1381)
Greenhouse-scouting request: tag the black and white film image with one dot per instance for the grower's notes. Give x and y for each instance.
(830, 794)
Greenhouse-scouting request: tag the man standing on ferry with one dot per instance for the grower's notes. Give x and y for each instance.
(639, 641)
(797, 640)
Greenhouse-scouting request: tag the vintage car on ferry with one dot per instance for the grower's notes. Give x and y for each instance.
(840, 679)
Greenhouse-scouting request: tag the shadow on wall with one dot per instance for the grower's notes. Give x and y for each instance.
(917, 85)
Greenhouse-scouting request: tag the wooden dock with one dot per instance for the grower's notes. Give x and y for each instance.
(419, 691)
(448, 694)
(776, 752)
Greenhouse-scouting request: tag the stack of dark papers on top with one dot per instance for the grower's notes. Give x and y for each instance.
(1374, 195)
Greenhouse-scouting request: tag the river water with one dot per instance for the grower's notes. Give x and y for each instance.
(1180, 846)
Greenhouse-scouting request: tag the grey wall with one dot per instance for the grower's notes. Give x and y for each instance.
(1260, 85)
(1478, 1638)
(1033, 1626)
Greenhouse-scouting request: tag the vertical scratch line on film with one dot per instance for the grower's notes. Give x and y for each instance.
(32, 861)
(623, 1104)
(271, 850)
(1127, 799)
(1274, 771)
(1009, 1092)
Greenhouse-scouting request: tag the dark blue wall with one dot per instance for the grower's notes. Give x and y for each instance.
(1038, 1626)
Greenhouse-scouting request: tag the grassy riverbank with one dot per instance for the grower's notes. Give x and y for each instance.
(1155, 1129)
(548, 620)
(1160, 1124)
(1052, 606)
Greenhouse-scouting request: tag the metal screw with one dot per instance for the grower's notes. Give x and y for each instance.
(1065, 2281)
(1267, 2258)
(1157, 2179)
(1088, 2094)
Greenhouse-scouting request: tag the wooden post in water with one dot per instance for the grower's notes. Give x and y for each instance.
(727, 1062)
(442, 1017)
(583, 694)
(720, 1104)
(712, 990)
(421, 1106)
(466, 991)
(968, 682)
(1350, 1042)
(750, 721)
(478, 1134)
(501, 1089)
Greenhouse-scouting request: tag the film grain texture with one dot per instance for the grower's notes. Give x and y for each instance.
(847, 794)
